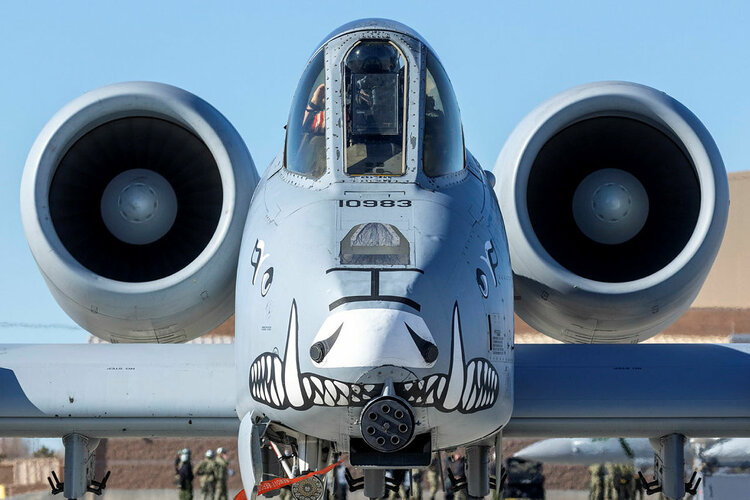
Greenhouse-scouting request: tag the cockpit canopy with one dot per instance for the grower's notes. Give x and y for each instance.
(369, 87)
(374, 73)
(305, 140)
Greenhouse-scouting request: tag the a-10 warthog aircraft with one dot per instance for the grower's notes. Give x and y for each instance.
(373, 271)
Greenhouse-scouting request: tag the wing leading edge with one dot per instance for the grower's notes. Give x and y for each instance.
(647, 390)
(117, 390)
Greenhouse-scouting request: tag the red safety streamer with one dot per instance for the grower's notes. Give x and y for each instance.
(280, 482)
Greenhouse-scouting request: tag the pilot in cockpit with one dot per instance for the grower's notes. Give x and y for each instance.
(314, 119)
(374, 104)
(374, 81)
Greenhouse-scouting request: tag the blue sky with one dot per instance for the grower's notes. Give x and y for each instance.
(245, 57)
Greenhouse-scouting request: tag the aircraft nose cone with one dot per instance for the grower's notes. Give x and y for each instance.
(373, 337)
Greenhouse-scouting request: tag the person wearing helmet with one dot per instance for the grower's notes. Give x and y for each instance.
(184, 477)
(206, 470)
(222, 471)
(374, 82)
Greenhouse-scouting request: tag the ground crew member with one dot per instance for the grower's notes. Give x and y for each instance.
(206, 470)
(433, 473)
(185, 476)
(626, 487)
(416, 484)
(596, 491)
(457, 466)
(222, 473)
(397, 477)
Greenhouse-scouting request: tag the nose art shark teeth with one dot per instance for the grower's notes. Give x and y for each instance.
(266, 386)
(467, 388)
(481, 387)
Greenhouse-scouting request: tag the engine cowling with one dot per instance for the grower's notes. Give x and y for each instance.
(615, 201)
(133, 201)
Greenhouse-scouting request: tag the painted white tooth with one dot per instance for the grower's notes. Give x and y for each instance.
(292, 384)
(318, 399)
(369, 387)
(342, 400)
(277, 382)
(267, 368)
(328, 400)
(430, 382)
(318, 384)
(274, 394)
(330, 387)
(308, 387)
(343, 388)
(470, 391)
(456, 374)
(440, 388)
(472, 398)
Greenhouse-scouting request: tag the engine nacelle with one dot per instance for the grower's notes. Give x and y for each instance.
(615, 200)
(133, 200)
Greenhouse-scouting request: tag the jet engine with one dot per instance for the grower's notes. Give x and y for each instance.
(615, 200)
(134, 197)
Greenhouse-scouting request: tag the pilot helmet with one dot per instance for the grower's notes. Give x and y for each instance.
(209, 453)
(220, 450)
(373, 57)
(184, 457)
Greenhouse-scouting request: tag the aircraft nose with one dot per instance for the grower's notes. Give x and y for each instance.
(373, 337)
(547, 451)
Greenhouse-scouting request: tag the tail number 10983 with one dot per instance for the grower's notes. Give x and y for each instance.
(374, 203)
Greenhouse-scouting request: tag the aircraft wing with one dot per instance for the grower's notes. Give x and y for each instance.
(644, 390)
(117, 390)
(561, 390)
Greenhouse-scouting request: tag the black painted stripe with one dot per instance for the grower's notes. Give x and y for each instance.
(13, 401)
(368, 298)
(427, 349)
(379, 269)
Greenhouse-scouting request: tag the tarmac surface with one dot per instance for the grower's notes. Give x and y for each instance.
(172, 495)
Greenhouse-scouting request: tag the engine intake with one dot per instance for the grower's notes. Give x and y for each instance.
(615, 200)
(133, 201)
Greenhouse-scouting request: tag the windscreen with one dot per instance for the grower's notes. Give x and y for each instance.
(443, 145)
(306, 130)
(374, 76)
